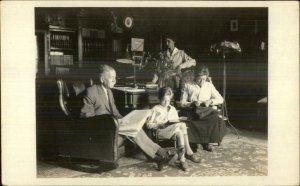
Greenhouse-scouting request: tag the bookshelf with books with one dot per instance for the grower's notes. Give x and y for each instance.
(62, 50)
(93, 44)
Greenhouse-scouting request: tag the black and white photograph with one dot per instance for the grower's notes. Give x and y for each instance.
(151, 92)
(135, 91)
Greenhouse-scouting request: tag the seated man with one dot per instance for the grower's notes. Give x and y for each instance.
(99, 100)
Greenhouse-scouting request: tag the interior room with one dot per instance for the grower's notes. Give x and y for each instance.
(71, 45)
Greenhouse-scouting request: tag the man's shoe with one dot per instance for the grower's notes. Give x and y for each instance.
(163, 157)
(168, 154)
(160, 164)
(183, 165)
(207, 147)
(193, 158)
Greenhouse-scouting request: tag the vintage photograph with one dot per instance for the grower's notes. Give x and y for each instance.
(151, 91)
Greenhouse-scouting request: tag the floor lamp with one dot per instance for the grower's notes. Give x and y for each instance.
(224, 48)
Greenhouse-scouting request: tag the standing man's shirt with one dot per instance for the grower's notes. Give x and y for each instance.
(179, 58)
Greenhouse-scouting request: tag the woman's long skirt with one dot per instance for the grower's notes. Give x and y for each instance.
(210, 129)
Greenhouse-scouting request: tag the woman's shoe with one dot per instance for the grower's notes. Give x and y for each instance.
(193, 158)
(183, 165)
(206, 147)
(194, 147)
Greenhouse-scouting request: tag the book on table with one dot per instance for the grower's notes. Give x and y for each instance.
(132, 123)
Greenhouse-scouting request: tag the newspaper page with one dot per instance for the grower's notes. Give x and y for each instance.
(132, 123)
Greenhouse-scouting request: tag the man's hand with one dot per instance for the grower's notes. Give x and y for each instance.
(123, 122)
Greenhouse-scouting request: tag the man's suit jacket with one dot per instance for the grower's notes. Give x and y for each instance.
(95, 103)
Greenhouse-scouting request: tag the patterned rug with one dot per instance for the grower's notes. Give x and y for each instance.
(233, 158)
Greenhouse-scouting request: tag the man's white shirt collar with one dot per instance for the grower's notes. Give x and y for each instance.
(105, 90)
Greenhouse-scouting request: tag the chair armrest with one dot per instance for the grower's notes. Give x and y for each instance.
(90, 138)
(102, 122)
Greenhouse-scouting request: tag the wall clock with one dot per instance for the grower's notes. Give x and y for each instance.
(128, 22)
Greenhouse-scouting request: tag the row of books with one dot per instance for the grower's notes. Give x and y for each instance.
(61, 59)
(91, 47)
(93, 33)
(61, 40)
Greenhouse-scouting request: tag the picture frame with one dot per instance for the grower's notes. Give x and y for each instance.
(234, 25)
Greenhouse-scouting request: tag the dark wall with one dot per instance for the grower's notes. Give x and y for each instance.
(196, 29)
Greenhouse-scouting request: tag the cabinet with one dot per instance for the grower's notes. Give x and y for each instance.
(61, 50)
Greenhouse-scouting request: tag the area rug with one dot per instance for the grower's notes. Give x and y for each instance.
(234, 158)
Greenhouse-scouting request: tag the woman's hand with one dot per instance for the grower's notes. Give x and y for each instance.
(203, 103)
(197, 103)
(164, 121)
(208, 103)
(161, 126)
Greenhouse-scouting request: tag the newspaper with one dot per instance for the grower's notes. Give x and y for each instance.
(132, 123)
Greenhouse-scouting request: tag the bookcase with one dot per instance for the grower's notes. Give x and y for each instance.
(92, 47)
(61, 50)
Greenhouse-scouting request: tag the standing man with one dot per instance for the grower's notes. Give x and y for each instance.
(173, 70)
(99, 100)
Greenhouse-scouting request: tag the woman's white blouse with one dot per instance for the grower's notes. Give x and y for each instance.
(161, 114)
(193, 92)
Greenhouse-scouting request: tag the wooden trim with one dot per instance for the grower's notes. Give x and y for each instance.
(59, 29)
(47, 54)
(80, 47)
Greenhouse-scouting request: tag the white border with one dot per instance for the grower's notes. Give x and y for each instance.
(18, 95)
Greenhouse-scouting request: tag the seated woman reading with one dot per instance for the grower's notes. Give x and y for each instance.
(165, 119)
(197, 100)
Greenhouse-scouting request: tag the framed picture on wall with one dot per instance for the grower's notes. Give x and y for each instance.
(234, 25)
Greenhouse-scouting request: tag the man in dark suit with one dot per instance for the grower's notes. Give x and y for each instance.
(99, 100)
